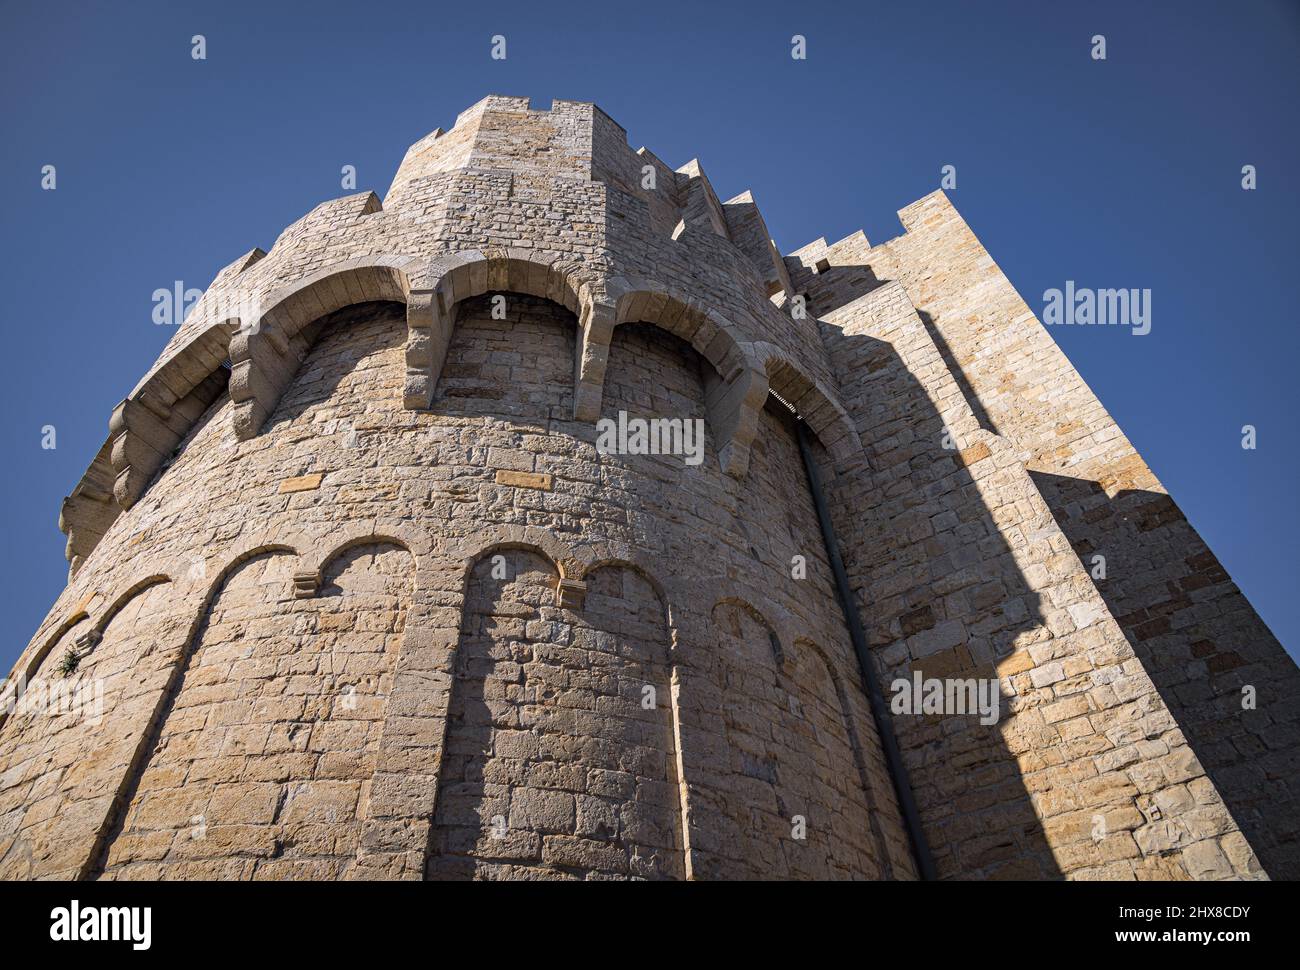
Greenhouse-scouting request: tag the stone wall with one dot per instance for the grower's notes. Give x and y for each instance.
(559, 764)
(1197, 638)
(263, 756)
(963, 573)
(251, 747)
(66, 748)
(278, 562)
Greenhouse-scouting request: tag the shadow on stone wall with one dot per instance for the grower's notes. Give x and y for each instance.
(958, 373)
(941, 594)
(1203, 646)
(319, 373)
(552, 767)
(518, 368)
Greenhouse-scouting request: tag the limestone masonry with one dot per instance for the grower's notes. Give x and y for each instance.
(353, 593)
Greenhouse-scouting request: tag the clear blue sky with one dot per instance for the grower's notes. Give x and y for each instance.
(1123, 173)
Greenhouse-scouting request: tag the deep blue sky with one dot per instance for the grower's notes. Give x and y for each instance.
(1124, 173)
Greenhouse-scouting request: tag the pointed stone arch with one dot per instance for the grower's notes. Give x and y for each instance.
(812, 401)
(266, 353)
(819, 676)
(736, 387)
(456, 277)
(724, 614)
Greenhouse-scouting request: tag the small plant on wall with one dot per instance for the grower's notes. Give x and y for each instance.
(69, 664)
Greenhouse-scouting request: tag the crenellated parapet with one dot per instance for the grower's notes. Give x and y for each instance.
(509, 199)
(370, 486)
(748, 231)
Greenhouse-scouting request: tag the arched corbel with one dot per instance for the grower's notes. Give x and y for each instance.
(428, 335)
(813, 402)
(733, 404)
(263, 362)
(267, 350)
(86, 515)
(145, 429)
(596, 329)
(429, 323)
(736, 387)
(454, 277)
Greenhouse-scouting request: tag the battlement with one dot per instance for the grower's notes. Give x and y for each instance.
(394, 460)
(502, 132)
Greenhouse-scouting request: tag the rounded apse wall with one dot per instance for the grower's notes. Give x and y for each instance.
(562, 676)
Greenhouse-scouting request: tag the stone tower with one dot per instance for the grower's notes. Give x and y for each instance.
(356, 593)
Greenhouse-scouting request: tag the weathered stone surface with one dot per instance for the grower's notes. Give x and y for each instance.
(540, 481)
(302, 483)
(478, 646)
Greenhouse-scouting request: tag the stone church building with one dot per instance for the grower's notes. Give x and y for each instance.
(356, 593)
